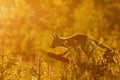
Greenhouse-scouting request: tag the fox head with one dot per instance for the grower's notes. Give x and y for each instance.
(58, 41)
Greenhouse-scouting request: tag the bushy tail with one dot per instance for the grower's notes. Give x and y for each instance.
(109, 53)
(102, 45)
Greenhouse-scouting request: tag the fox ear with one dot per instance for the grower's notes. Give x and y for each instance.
(55, 36)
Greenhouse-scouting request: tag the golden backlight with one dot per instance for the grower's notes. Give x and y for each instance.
(59, 40)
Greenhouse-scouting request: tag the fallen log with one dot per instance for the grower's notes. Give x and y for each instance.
(58, 57)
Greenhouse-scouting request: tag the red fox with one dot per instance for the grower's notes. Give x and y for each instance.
(80, 40)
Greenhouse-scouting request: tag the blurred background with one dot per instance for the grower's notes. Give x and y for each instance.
(26, 26)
